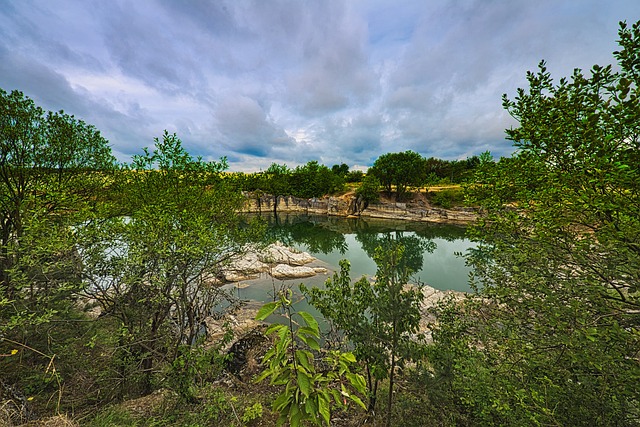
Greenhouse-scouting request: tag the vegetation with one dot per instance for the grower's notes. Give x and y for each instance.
(399, 170)
(109, 273)
(552, 338)
(380, 320)
(396, 173)
(309, 392)
(153, 268)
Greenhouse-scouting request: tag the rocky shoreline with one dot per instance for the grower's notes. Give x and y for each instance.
(276, 260)
(348, 205)
(284, 263)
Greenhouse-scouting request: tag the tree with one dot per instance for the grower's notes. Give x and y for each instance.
(277, 182)
(354, 176)
(314, 180)
(381, 320)
(341, 170)
(154, 270)
(309, 392)
(50, 166)
(368, 192)
(399, 170)
(47, 164)
(555, 329)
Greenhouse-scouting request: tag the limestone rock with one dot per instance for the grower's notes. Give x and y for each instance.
(284, 271)
(247, 267)
(277, 253)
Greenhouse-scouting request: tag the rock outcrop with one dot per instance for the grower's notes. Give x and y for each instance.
(431, 298)
(349, 206)
(276, 259)
(284, 271)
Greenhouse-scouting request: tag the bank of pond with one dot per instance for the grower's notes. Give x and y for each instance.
(432, 251)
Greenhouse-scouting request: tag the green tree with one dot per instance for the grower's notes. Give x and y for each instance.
(154, 270)
(400, 170)
(50, 166)
(276, 181)
(556, 331)
(341, 170)
(354, 176)
(42, 156)
(309, 392)
(47, 164)
(368, 192)
(381, 320)
(315, 180)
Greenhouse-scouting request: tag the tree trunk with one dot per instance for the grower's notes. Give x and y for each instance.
(390, 398)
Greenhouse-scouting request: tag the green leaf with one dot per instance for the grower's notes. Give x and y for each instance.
(295, 416)
(303, 357)
(349, 357)
(358, 401)
(263, 375)
(323, 408)
(357, 381)
(267, 310)
(304, 382)
(310, 321)
(311, 407)
(336, 395)
(281, 402)
(313, 344)
(307, 331)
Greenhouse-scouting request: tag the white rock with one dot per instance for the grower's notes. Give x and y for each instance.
(276, 253)
(247, 267)
(284, 271)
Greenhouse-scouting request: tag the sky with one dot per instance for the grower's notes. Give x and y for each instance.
(290, 81)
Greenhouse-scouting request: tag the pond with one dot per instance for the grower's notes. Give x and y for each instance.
(431, 250)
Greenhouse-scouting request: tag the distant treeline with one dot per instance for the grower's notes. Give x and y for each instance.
(394, 171)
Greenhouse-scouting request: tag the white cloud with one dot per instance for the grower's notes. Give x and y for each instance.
(288, 81)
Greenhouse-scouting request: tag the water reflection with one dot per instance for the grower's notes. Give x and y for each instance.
(295, 230)
(429, 248)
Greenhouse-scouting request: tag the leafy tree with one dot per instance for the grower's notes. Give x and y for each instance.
(314, 180)
(50, 166)
(42, 158)
(341, 170)
(399, 170)
(276, 181)
(354, 176)
(381, 320)
(49, 163)
(555, 330)
(309, 391)
(368, 191)
(154, 270)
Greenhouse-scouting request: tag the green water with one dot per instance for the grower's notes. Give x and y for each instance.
(430, 250)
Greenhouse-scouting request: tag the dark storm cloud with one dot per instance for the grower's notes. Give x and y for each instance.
(288, 81)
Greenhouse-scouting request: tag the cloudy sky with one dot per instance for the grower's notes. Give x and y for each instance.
(290, 81)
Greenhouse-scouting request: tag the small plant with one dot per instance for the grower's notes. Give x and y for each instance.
(309, 393)
(253, 412)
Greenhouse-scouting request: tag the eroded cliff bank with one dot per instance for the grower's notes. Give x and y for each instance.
(418, 209)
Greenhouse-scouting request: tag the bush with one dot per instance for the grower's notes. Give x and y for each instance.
(447, 198)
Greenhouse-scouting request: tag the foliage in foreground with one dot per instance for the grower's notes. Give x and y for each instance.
(309, 391)
(554, 338)
(380, 319)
